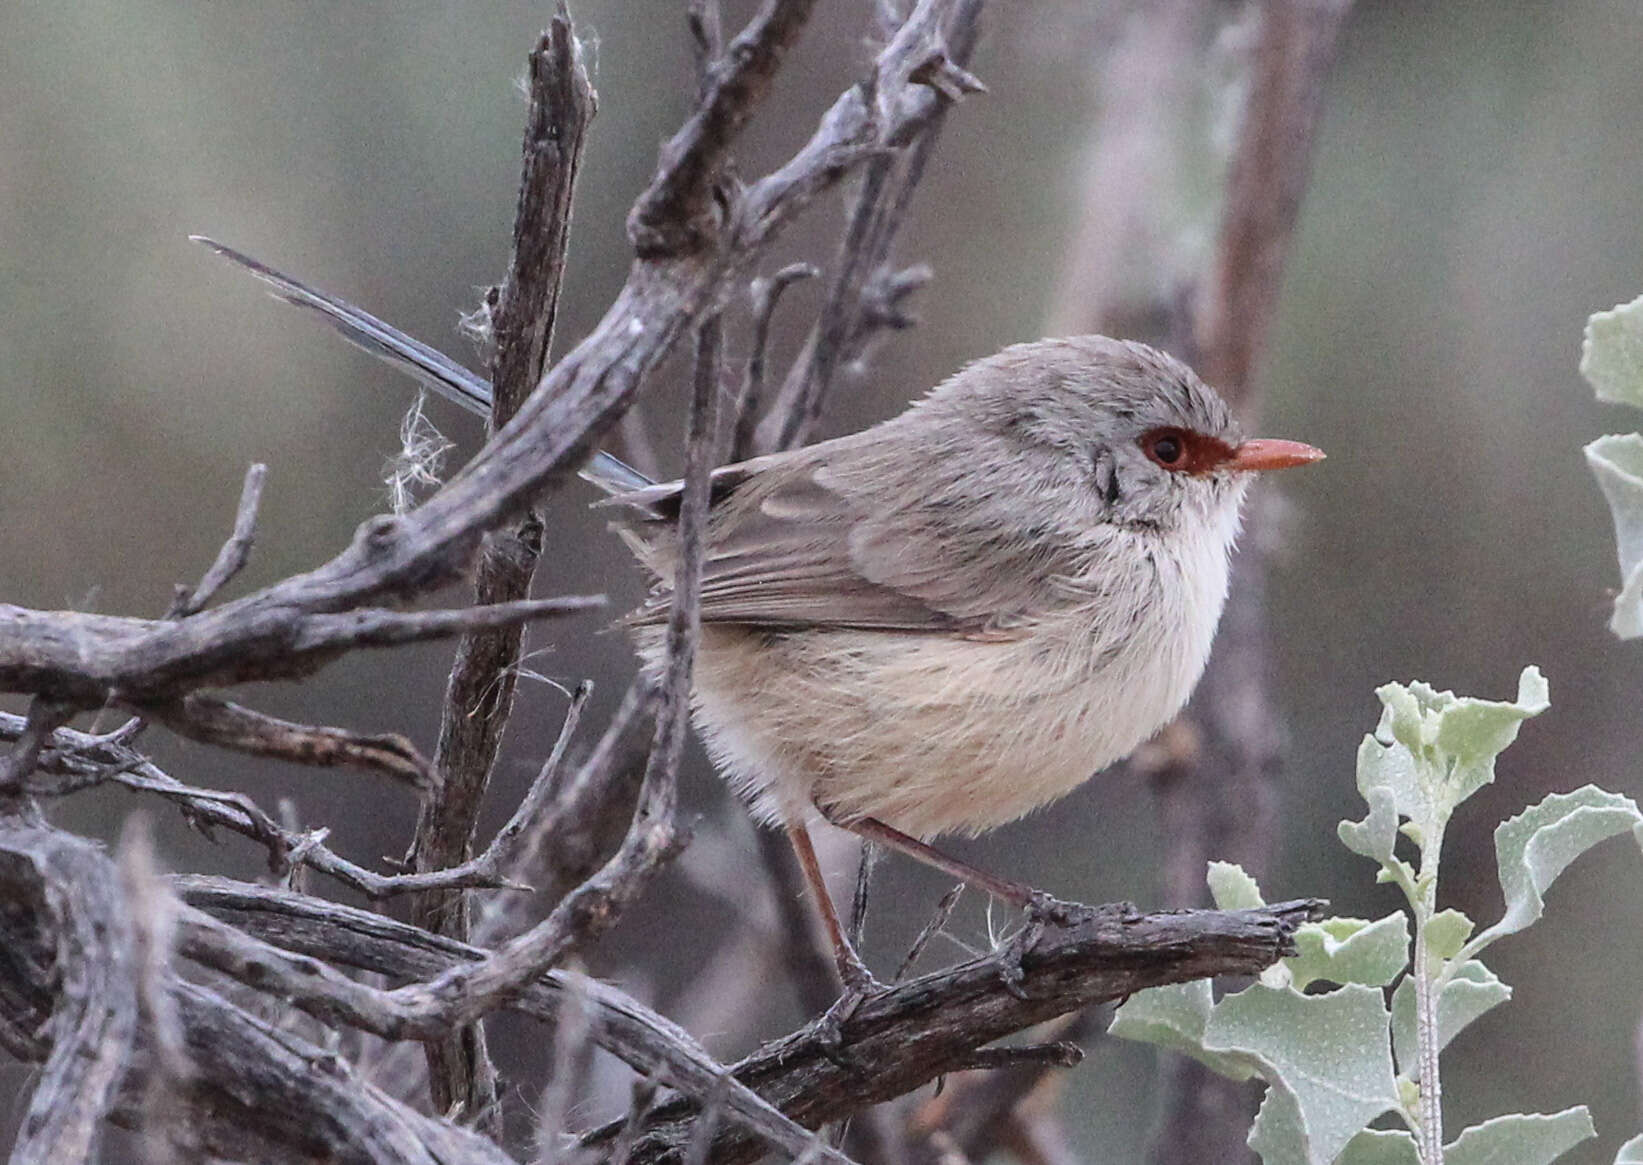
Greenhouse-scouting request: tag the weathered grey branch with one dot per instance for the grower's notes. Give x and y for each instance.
(213, 720)
(480, 691)
(81, 941)
(91, 660)
(346, 937)
(766, 294)
(912, 1034)
(933, 1024)
(68, 990)
(675, 215)
(82, 761)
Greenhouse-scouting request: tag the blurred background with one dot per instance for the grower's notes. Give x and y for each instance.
(1477, 191)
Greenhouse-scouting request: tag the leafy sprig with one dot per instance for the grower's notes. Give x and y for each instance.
(1351, 1029)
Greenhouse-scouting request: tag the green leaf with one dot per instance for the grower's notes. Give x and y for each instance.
(1611, 355)
(1232, 889)
(1376, 835)
(1446, 932)
(1174, 1017)
(1331, 1054)
(1430, 752)
(1473, 991)
(1350, 950)
(1631, 1153)
(1537, 845)
(1380, 1147)
(1279, 1133)
(1617, 463)
(1521, 1139)
(1470, 729)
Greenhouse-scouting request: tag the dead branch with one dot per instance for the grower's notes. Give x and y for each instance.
(479, 694)
(326, 933)
(933, 1025)
(78, 955)
(912, 1034)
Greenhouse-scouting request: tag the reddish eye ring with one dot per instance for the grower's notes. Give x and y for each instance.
(1166, 447)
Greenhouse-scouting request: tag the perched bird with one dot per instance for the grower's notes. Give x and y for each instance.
(947, 620)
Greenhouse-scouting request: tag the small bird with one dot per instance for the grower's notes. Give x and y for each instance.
(947, 620)
(943, 622)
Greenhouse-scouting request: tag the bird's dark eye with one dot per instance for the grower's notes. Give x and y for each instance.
(1166, 447)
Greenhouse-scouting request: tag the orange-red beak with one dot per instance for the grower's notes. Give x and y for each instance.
(1265, 453)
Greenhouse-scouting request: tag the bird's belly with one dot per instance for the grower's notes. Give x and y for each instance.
(929, 734)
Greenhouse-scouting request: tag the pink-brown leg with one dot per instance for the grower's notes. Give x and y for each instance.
(1040, 908)
(852, 971)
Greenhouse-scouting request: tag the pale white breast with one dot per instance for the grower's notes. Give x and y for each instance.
(933, 734)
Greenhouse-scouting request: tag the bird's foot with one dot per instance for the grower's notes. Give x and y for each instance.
(859, 987)
(1041, 911)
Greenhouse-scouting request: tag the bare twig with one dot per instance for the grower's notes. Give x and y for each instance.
(585, 816)
(938, 921)
(212, 720)
(89, 761)
(571, 1049)
(766, 294)
(1061, 1054)
(675, 214)
(44, 718)
(233, 555)
(848, 319)
(707, 41)
(976, 1112)
(168, 1134)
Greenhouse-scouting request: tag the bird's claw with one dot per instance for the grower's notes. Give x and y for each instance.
(1041, 911)
(859, 987)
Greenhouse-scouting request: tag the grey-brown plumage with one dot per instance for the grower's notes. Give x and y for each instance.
(959, 614)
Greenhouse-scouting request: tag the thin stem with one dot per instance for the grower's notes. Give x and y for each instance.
(1428, 989)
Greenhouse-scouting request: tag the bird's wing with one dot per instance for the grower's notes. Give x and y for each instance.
(792, 545)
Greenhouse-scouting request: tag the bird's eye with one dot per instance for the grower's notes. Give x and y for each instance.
(1165, 446)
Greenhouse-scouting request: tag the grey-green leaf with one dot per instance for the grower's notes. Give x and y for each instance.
(1380, 1147)
(1174, 1017)
(1473, 991)
(1537, 845)
(1279, 1132)
(1377, 834)
(1521, 1139)
(1232, 889)
(1617, 463)
(1331, 1052)
(1631, 1153)
(1350, 950)
(1611, 354)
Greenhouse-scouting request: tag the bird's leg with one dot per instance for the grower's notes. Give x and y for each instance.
(858, 981)
(1040, 908)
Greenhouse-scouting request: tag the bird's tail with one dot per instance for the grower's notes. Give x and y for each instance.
(428, 366)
